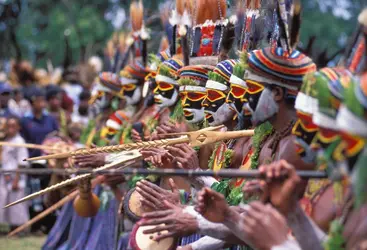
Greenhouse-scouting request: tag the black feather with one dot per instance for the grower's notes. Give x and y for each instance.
(144, 52)
(228, 39)
(173, 44)
(185, 49)
(352, 44)
(283, 37)
(67, 53)
(296, 24)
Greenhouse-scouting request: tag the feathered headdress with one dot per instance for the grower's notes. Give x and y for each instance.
(181, 21)
(289, 27)
(354, 55)
(212, 34)
(140, 35)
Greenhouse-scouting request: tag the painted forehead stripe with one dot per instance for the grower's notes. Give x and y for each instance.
(192, 88)
(210, 84)
(236, 80)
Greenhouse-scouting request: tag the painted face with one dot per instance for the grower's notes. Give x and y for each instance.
(165, 94)
(261, 102)
(217, 111)
(132, 93)
(305, 131)
(191, 99)
(236, 97)
(324, 138)
(350, 149)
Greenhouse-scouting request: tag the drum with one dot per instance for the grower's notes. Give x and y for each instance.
(140, 241)
(133, 207)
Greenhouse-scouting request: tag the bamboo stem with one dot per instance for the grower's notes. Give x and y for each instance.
(113, 149)
(28, 145)
(133, 158)
(196, 138)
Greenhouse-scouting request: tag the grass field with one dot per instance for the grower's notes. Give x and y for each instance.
(23, 243)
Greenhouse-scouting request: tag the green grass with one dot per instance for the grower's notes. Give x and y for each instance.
(22, 243)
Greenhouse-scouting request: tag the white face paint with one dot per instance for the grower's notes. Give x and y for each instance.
(133, 100)
(197, 114)
(265, 108)
(222, 115)
(164, 102)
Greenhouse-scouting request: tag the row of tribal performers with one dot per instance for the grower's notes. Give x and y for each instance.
(202, 82)
(259, 90)
(323, 128)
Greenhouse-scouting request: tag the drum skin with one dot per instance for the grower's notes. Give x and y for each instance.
(133, 207)
(140, 241)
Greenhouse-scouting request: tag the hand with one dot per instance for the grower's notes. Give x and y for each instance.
(255, 188)
(113, 180)
(15, 185)
(135, 136)
(159, 157)
(91, 161)
(212, 205)
(165, 128)
(264, 226)
(283, 185)
(186, 157)
(153, 195)
(355, 229)
(175, 220)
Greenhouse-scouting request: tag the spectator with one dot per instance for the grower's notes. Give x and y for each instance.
(12, 186)
(72, 85)
(80, 114)
(18, 105)
(38, 123)
(5, 95)
(54, 99)
(35, 127)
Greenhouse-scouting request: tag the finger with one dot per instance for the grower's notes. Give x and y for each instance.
(148, 193)
(257, 206)
(173, 186)
(175, 151)
(148, 204)
(169, 204)
(157, 214)
(155, 221)
(158, 229)
(184, 147)
(214, 194)
(164, 236)
(147, 184)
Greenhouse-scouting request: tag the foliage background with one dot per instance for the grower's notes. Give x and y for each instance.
(35, 28)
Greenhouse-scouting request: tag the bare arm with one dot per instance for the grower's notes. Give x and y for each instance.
(305, 231)
(215, 230)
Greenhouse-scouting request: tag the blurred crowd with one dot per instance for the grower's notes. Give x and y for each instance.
(34, 104)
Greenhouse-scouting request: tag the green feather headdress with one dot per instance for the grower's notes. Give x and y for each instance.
(240, 68)
(216, 77)
(166, 71)
(187, 82)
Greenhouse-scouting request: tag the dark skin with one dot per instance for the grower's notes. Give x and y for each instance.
(355, 229)
(153, 195)
(252, 220)
(4, 99)
(38, 105)
(177, 223)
